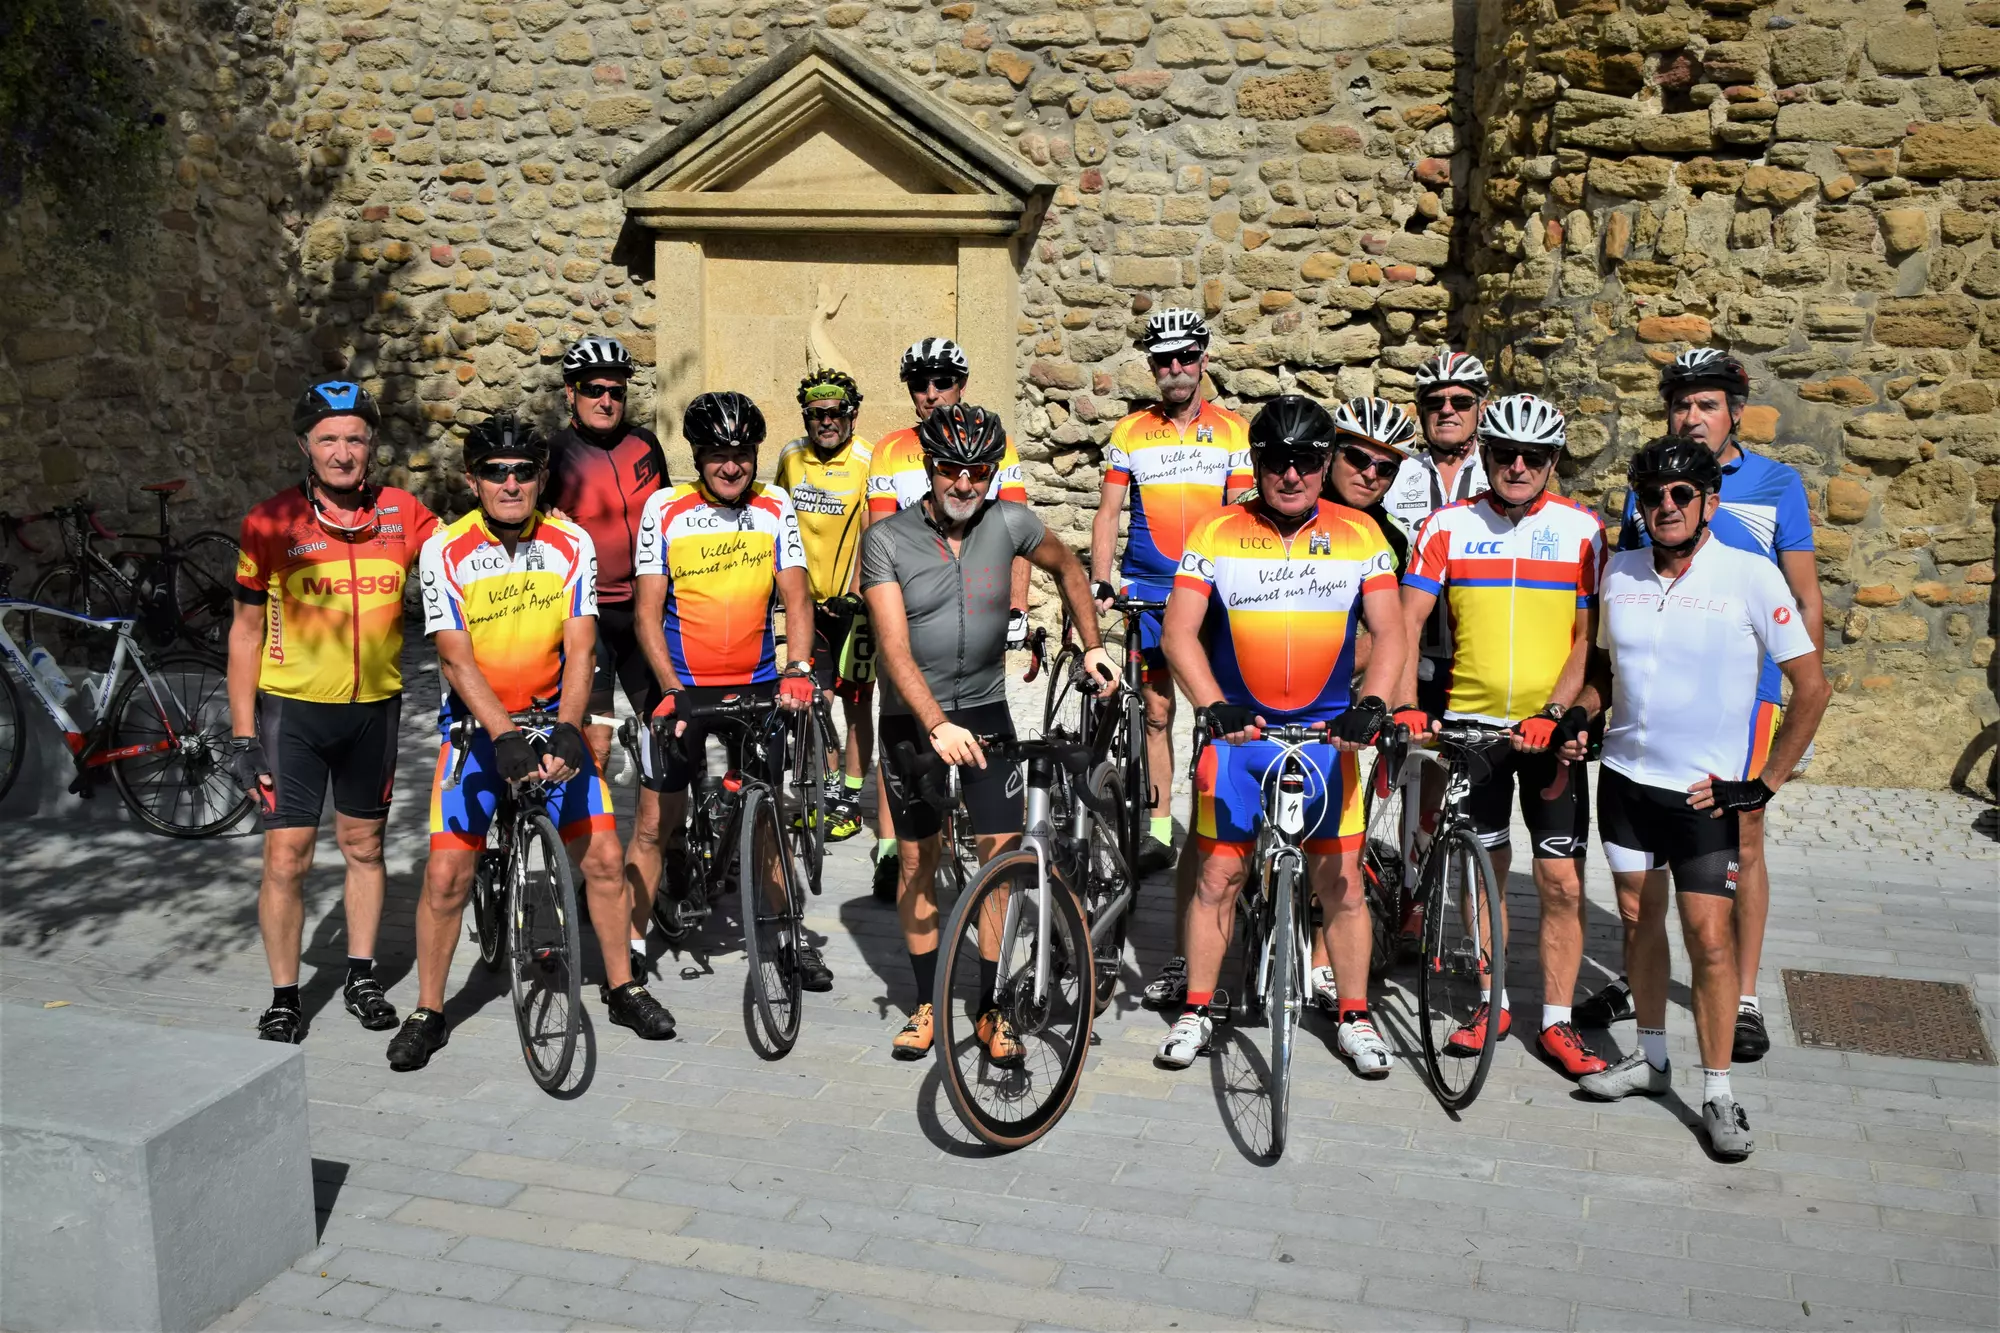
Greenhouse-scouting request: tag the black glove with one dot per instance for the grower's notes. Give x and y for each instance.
(1750, 794)
(1362, 721)
(1103, 591)
(1223, 719)
(1575, 721)
(515, 756)
(246, 762)
(846, 606)
(566, 744)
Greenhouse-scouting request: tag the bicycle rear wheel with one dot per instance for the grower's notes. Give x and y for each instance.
(805, 812)
(1106, 880)
(204, 574)
(1284, 996)
(13, 732)
(545, 950)
(1461, 960)
(489, 907)
(1382, 872)
(771, 925)
(1044, 991)
(173, 738)
(88, 591)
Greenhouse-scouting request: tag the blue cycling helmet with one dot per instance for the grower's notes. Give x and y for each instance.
(334, 398)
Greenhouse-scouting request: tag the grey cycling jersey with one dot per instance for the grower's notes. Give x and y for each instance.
(957, 605)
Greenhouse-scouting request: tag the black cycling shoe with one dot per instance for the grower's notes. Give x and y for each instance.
(814, 974)
(422, 1035)
(1154, 856)
(887, 871)
(1752, 1041)
(280, 1023)
(633, 1006)
(366, 1002)
(1611, 1005)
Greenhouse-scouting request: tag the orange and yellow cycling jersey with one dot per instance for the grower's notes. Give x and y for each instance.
(333, 608)
(897, 480)
(1512, 588)
(1179, 477)
(828, 495)
(513, 606)
(1283, 611)
(721, 563)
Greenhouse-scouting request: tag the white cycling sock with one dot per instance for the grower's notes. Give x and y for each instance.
(1653, 1045)
(1553, 1014)
(1714, 1084)
(1748, 1002)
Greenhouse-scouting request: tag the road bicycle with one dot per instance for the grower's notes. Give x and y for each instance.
(1112, 723)
(524, 909)
(182, 589)
(160, 732)
(747, 831)
(1041, 921)
(1449, 882)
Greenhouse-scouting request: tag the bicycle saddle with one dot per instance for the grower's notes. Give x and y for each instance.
(165, 487)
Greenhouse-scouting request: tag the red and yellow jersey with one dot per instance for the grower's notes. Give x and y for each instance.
(1283, 611)
(897, 480)
(333, 608)
(1512, 589)
(513, 606)
(1179, 477)
(828, 495)
(721, 563)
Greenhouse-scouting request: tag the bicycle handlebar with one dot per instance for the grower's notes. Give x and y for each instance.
(1134, 606)
(10, 531)
(536, 722)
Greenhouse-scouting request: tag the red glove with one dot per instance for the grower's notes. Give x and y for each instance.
(1537, 731)
(796, 689)
(665, 708)
(1416, 719)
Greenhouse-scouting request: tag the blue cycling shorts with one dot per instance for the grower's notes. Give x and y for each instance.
(1229, 797)
(461, 816)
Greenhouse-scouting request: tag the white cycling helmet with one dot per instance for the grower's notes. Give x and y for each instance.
(1448, 367)
(1522, 418)
(934, 356)
(595, 355)
(1377, 421)
(1174, 330)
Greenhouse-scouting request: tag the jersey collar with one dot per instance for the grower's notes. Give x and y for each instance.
(528, 529)
(1492, 498)
(1160, 410)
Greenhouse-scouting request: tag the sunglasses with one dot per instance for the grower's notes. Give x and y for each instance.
(976, 473)
(1278, 462)
(1364, 462)
(935, 383)
(1457, 402)
(1680, 493)
(502, 473)
(1168, 360)
(1504, 456)
(615, 392)
(818, 414)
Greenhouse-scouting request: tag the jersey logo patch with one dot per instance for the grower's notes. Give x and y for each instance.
(1544, 545)
(1320, 543)
(1204, 434)
(1783, 615)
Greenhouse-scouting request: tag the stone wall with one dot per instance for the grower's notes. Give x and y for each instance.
(415, 193)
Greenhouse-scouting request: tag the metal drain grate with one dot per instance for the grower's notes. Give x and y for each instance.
(1914, 1020)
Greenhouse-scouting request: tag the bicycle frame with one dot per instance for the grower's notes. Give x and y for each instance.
(1280, 842)
(74, 737)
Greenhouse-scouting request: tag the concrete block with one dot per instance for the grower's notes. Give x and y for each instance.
(154, 1177)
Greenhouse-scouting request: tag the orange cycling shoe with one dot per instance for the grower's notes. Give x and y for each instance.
(1469, 1039)
(996, 1034)
(1566, 1051)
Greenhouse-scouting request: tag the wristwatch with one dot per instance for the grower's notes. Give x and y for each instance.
(1554, 712)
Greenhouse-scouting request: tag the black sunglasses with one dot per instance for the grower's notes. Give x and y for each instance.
(1457, 402)
(833, 413)
(1364, 462)
(935, 383)
(1505, 454)
(1680, 493)
(1278, 462)
(615, 392)
(501, 473)
(1168, 360)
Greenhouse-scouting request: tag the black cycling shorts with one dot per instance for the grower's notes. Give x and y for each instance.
(674, 769)
(309, 746)
(1558, 826)
(1434, 695)
(830, 632)
(1645, 828)
(619, 660)
(991, 795)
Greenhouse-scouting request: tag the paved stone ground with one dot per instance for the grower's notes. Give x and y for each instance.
(692, 1185)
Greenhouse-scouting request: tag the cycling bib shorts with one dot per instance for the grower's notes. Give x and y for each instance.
(621, 663)
(1229, 797)
(310, 745)
(991, 795)
(1150, 625)
(460, 816)
(1645, 828)
(843, 652)
(1558, 825)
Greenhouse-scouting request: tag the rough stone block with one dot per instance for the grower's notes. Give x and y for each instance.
(1925, 321)
(1969, 48)
(1903, 48)
(1847, 123)
(1802, 55)
(1779, 188)
(1971, 151)
(154, 1177)
(1186, 41)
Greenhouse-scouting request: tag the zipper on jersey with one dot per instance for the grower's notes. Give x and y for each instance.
(354, 620)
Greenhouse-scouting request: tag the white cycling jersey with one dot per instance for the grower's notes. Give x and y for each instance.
(1685, 657)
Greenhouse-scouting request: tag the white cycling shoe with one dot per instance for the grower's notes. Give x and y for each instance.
(1364, 1047)
(1323, 993)
(1188, 1038)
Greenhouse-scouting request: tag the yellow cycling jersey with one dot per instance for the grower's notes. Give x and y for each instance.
(897, 480)
(829, 495)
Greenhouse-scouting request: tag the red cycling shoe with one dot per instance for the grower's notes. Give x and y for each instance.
(1469, 1039)
(1566, 1050)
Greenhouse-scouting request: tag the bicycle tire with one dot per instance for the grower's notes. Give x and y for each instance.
(1446, 958)
(489, 908)
(192, 707)
(1060, 700)
(1037, 1089)
(1138, 806)
(13, 732)
(1106, 876)
(545, 950)
(204, 598)
(1382, 873)
(952, 873)
(806, 817)
(1284, 998)
(86, 590)
(770, 932)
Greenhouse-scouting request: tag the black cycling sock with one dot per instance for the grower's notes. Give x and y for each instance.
(286, 997)
(925, 967)
(359, 969)
(989, 981)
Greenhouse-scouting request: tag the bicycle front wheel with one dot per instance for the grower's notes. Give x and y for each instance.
(489, 907)
(87, 591)
(806, 804)
(13, 732)
(1462, 962)
(1382, 870)
(545, 953)
(204, 574)
(172, 739)
(1284, 995)
(1040, 975)
(771, 926)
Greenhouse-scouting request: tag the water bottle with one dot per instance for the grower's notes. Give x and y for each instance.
(53, 679)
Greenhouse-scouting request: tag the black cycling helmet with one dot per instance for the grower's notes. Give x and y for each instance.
(334, 398)
(829, 386)
(722, 420)
(1705, 368)
(1676, 458)
(963, 435)
(504, 435)
(1292, 421)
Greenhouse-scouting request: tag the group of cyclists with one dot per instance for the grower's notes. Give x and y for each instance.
(1355, 570)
